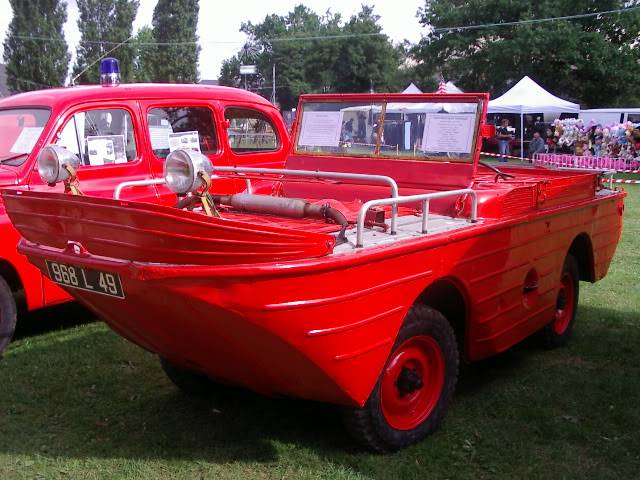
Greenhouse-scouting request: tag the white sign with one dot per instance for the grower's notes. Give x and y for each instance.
(159, 136)
(447, 132)
(26, 140)
(185, 141)
(248, 70)
(320, 129)
(106, 149)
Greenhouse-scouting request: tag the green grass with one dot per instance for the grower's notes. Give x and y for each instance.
(79, 402)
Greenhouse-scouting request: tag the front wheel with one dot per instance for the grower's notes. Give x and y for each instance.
(8, 315)
(414, 390)
(558, 331)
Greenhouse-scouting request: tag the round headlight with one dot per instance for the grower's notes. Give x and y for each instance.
(51, 162)
(181, 170)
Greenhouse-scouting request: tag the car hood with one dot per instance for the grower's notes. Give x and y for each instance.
(7, 177)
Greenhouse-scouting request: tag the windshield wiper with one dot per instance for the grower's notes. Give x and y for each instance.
(13, 158)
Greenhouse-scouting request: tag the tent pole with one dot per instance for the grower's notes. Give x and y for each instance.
(521, 136)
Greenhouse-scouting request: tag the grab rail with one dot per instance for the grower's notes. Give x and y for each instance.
(425, 198)
(136, 183)
(379, 179)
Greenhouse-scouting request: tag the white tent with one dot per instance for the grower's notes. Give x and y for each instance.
(412, 89)
(527, 96)
(450, 87)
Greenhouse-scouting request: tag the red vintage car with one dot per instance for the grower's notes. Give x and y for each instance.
(384, 254)
(122, 133)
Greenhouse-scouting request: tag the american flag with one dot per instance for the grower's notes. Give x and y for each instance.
(442, 86)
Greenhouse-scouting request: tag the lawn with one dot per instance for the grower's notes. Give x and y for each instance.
(79, 402)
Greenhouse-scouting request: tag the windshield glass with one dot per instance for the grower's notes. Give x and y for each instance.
(21, 128)
(433, 130)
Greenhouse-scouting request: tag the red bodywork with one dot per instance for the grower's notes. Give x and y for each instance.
(101, 181)
(276, 305)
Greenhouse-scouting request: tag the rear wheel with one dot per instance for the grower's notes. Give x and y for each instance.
(415, 387)
(190, 382)
(8, 315)
(558, 331)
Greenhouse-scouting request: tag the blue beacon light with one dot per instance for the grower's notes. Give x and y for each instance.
(109, 72)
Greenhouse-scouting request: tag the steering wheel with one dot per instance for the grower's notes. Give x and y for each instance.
(499, 174)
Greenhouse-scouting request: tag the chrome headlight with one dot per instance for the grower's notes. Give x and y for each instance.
(181, 170)
(52, 161)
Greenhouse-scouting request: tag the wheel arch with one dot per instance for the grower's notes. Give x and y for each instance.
(449, 297)
(10, 275)
(582, 250)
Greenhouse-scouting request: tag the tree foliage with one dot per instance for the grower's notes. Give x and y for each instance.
(32, 64)
(591, 60)
(175, 22)
(103, 25)
(315, 53)
(144, 55)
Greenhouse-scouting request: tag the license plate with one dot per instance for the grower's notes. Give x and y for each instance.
(96, 281)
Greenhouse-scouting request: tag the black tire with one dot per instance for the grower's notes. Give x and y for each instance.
(558, 331)
(190, 382)
(8, 315)
(382, 424)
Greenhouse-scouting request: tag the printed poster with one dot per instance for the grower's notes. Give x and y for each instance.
(320, 129)
(185, 141)
(449, 132)
(106, 149)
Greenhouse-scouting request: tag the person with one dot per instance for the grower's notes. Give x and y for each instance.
(504, 137)
(536, 145)
(347, 131)
(550, 141)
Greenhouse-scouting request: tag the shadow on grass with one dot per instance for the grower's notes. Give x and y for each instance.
(51, 319)
(89, 394)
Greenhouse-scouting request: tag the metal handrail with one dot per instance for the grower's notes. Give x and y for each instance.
(379, 179)
(425, 198)
(136, 183)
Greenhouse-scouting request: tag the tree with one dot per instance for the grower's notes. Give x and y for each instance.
(32, 64)
(592, 60)
(316, 53)
(145, 53)
(103, 25)
(174, 27)
(368, 60)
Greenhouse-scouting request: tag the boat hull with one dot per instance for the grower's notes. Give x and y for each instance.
(322, 328)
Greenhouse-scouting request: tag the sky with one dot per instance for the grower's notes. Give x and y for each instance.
(219, 22)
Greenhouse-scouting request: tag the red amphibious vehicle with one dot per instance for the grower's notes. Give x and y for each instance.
(361, 274)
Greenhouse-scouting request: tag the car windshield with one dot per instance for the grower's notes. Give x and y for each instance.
(21, 128)
(421, 130)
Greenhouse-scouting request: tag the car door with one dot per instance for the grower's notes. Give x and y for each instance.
(172, 124)
(108, 139)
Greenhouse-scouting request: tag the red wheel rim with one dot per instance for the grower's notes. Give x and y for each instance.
(412, 382)
(565, 304)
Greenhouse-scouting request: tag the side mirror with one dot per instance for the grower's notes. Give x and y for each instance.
(487, 130)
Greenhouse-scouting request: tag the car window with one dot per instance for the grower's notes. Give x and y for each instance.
(250, 131)
(21, 128)
(100, 137)
(171, 128)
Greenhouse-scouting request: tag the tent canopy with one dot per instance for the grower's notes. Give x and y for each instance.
(527, 96)
(450, 87)
(412, 89)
